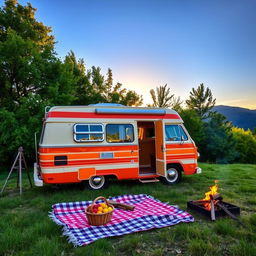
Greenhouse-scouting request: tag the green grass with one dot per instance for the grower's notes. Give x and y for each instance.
(26, 229)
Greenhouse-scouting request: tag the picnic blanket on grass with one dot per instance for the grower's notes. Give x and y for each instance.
(148, 213)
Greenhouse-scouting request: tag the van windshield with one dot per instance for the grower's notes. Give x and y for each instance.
(175, 133)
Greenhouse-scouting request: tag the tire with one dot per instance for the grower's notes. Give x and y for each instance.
(173, 176)
(97, 182)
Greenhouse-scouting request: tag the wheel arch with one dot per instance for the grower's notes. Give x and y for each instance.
(177, 165)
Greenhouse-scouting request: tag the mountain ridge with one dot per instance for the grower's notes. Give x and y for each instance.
(240, 117)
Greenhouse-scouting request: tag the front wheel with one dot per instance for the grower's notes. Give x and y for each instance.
(173, 176)
(97, 182)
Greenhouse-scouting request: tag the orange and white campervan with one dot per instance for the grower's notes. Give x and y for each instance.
(93, 143)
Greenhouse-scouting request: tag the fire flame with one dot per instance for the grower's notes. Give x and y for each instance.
(213, 191)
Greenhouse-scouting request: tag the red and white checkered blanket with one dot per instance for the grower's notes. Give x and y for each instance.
(148, 213)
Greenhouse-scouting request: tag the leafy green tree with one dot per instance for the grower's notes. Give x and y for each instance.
(93, 87)
(245, 145)
(201, 100)
(108, 85)
(163, 99)
(219, 144)
(254, 131)
(176, 104)
(21, 19)
(25, 46)
(31, 77)
(84, 93)
(123, 96)
(195, 126)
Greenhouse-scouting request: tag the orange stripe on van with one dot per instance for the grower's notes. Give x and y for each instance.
(180, 151)
(86, 148)
(125, 154)
(189, 156)
(72, 156)
(180, 146)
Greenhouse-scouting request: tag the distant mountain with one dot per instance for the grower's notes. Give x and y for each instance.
(240, 117)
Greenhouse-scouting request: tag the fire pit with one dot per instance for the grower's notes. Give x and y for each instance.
(213, 206)
(218, 211)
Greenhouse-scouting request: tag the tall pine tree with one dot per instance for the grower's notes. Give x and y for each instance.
(201, 100)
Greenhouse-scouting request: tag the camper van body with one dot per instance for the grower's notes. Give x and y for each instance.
(95, 142)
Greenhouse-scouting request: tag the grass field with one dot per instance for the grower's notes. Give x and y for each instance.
(26, 229)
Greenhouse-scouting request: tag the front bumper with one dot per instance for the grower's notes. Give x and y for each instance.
(198, 170)
(37, 180)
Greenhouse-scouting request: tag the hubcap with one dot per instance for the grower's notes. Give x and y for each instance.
(172, 175)
(96, 182)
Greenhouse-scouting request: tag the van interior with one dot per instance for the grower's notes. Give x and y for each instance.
(147, 151)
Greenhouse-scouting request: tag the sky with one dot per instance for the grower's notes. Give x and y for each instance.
(149, 43)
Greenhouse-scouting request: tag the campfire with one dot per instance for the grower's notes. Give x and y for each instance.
(210, 195)
(213, 206)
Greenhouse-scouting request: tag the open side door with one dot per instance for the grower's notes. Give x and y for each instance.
(160, 148)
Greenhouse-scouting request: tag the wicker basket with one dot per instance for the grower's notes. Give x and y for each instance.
(97, 219)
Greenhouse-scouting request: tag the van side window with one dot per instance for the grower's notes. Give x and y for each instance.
(175, 133)
(119, 133)
(88, 132)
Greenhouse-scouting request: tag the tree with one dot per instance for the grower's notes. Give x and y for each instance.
(31, 77)
(108, 85)
(219, 144)
(201, 100)
(254, 131)
(122, 96)
(245, 145)
(84, 92)
(176, 104)
(163, 99)
(93, 87)
(25, 46)
(194, 125)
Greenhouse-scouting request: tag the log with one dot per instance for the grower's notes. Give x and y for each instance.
(212, 210)
(216, 196)
(122, 206)
(230, 213)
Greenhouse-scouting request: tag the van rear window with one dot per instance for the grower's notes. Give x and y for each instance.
(88, 132)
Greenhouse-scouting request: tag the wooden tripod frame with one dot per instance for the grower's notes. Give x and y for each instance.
(17, 164)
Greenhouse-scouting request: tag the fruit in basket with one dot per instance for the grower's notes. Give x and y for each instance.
(103, 205)
(100, 208)
(95, 207)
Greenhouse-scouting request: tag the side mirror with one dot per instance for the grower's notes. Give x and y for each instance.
(181, 139)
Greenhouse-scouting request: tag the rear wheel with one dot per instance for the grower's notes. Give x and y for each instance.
(173, 175)
(97, 182)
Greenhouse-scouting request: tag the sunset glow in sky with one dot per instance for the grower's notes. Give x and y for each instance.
(150, 43)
